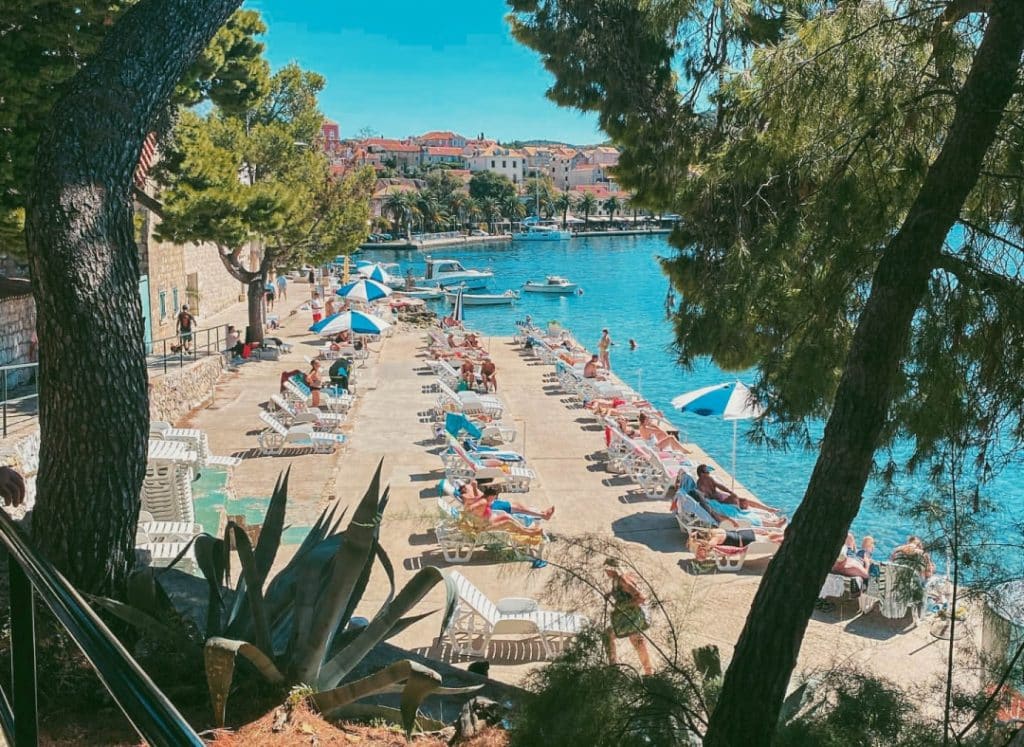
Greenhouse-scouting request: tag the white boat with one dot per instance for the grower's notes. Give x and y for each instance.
(551, 284)
(537, 231)
(507, 298)
(449, 272)
(427, 294)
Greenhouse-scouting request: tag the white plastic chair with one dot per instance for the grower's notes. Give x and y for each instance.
(277, 437)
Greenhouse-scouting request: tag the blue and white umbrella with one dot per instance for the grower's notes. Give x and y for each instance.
(357, 322)
(364, 263)
(730, 401)
(374, 272)
(364, 289)
(457, 307)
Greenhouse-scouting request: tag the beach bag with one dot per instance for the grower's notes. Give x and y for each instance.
(463, 386)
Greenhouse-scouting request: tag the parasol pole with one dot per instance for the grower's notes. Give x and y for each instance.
(735, 424)
(344, 272)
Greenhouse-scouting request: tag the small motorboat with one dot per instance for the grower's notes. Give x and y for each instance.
(427, 294)
(551, 284)
(507, 298)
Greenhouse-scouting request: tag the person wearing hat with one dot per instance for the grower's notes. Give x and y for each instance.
(184, 328)
(628, 619)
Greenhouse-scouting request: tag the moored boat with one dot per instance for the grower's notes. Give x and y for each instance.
(449, 272)
(541, 232)
(551, 284)
(427, 294)
(507, 298)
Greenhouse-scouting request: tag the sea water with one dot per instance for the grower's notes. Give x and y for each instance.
(624, 291)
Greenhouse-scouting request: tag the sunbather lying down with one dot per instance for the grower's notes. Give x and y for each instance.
(701, 541)
(730, 514)
(651, 433)
(715, 490)
(509, 515)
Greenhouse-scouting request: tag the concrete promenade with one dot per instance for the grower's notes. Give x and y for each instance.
(565, 452)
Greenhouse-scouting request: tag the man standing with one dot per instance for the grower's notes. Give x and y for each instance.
(185, 325)
(317, 307)
(282, 287)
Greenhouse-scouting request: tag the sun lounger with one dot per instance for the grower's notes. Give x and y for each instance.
(167, 531)
(477, 620)
(149, 551)
(299, 392)
(470, 402)
(292, 413)
(196, 440)
(511, 478)
(489, 433)
(459, 536)
(277, 437)
(691, 515)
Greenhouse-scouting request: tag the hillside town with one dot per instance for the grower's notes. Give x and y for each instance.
(541, 171)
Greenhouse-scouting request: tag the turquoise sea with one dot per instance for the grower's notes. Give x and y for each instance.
(624, 290)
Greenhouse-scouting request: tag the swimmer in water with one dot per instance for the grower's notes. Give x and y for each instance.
(632, 344)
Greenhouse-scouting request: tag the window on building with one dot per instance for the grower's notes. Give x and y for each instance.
(492, 164)
(163, 304)
(513, 164)
(174, 295)
(504, 164)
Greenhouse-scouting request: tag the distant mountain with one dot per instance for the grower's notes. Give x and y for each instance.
(550, 144)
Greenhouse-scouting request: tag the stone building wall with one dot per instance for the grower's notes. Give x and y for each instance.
(210, 287)
(177, 393)
(17, 334)
(164, 262)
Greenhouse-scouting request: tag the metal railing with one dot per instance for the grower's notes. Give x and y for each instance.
(148, 710)
(169, 352)
(17, 393)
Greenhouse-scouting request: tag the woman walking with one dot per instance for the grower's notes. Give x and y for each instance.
(627, 618)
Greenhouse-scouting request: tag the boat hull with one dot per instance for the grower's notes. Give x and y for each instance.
(563, 290)
(542, 236)
(470, 282)
(469, 299)
(427, 294)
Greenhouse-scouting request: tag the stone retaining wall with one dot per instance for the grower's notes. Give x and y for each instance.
(23, 455)
(17, 328)
(177, 393)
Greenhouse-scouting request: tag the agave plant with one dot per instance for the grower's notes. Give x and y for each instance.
(299, 630)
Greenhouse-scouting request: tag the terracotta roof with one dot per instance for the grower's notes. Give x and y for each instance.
(439, 150)
(440, 135)
(391, 145)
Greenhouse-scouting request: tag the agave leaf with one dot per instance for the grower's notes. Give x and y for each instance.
(406, 622)
(253, 588)
(210, 557)
(419, 682)
(349, 564)
(273, 525)
(138, 619)
(337, 667)
(219, 655)
(145, 593)
(282, 595)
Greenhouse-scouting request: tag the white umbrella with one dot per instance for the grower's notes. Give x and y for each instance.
(358, 322)
(730, 401)
(364, 289)
(457, 306)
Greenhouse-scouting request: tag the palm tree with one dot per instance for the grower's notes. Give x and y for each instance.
(586, 204)
(431, 212)
(563, 202)
(513, 209)
(401, 206)
(490, 211)
(460, 206)
(612, 205)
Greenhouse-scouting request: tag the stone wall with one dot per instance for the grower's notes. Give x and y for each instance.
(17, 332)
(177, 393)
(164, 262)
(211, 287)
(23, 455)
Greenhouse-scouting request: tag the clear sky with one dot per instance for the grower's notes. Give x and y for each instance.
(404, 67)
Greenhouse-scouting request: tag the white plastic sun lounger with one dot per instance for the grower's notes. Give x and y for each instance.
(149, 551)
(277, 437)
(459, 539)
(469, 402)
(293, 413)
(302, 395)
(477, 619)
(461, 465)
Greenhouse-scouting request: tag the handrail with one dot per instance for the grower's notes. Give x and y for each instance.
(152, 715)
(213, 342)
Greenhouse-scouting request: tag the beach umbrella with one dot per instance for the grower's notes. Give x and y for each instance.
(374, 272)
(364, 289)
(457, 308)
(358, 322)
(364, 263)
(730, 401)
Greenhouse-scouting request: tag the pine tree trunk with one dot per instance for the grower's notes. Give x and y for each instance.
(257, 310)
(759, 673)
(93, 387)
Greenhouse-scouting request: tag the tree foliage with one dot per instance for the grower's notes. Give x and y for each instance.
(820, 153)
(487, 185)
(46, 42)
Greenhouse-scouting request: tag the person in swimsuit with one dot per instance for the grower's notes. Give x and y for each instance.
(627, 615)
(489, 373)
(603, 346)
(701, 541)
(498, 512)
(590, 368)
(468, 374)
(716, 491)
(315, 381)
(661, 440)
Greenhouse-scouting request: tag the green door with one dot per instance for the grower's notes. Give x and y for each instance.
(147, 314)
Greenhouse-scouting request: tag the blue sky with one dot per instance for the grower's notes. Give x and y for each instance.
(403, 67)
